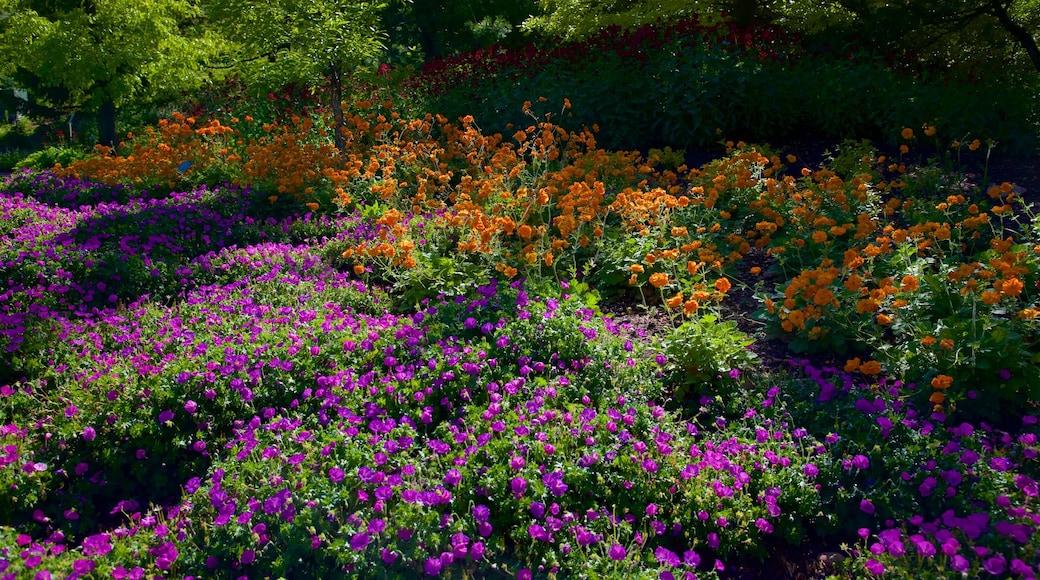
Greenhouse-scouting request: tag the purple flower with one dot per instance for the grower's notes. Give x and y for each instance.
(994, 565)
(360, 541)
(336, 474)
(518, 485)
(860, 462)
(89, 434)
(83, 567)
(432, 567)
(874, 567)
(376, 526)
(866, 506)
(810, 470)
(166, 416)
(481, 513)
(248, 556)
(452, 478)
(617, 552)
(666, 556)
(97, 545)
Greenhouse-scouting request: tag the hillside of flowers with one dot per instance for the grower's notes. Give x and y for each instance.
(232, 350)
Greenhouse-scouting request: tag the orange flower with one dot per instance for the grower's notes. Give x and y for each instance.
(884, 319)
(975, 144)
(871, 368)
(359, 269)
(928, 340)
(852, 365)
(755, 270)
(946, 344)
(723, 285)
(819, 237)
(909, 284)
(937, 398)
(929, 130)
(796, 318)
(636, 268)
(1011, 287)
(990, 297)
(690, 307)
(658, 280)
(823, 297)
(674, 301)
(942, 382)
(907, 133)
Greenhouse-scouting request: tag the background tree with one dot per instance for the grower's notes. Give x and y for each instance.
(101, 55)
(437, 28)
(318, 42)
(970, 34)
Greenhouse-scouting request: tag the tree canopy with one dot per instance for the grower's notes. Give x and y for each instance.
(98, 55)
(318, 42)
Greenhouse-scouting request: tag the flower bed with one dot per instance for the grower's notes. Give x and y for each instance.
(220, 381)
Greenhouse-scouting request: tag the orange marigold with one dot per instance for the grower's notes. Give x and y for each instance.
(723, 285)
(658, 280)
(872, 368)
(907, 133)
(1011, 287)
(852, 365)
(675, 301)
(942, 382)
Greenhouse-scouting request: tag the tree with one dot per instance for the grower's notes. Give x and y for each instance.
(101, 55)
(319, 42)
(441, 28)
(942, 32)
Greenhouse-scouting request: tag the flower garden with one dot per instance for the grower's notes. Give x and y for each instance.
(231, 350)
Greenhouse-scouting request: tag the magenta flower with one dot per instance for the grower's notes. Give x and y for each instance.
(866, 506)
(360, 541)
(874, 567)
(518, 485)
(617, 552)
(666, 556)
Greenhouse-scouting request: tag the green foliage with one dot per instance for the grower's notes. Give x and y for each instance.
(284, 41)
(9, 158)
(682, 84)
(83, 55)
(702, 350)
(49, 157)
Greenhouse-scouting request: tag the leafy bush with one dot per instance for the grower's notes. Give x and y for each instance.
(50, 157)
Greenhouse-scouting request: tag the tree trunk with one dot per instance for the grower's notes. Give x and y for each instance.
(336, 96)
(107, 122)
(1023, 36)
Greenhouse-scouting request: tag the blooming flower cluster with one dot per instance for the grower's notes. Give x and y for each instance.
(203, 383)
